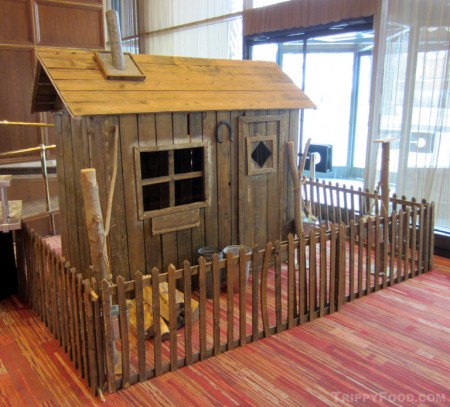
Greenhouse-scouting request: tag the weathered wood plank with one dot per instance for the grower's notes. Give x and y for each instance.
(281, 100)
(202, 307)
(211, 215)
(72, 244)
(230, 302)
(147, 138)
(352, 260)
(184, 243)
(302, 289)
(109, 344)
(135, 228)
(401, 217)
(164, 136)
(291, 281)
(80, 149)
(361, 237)
(312, 275)
(216, 303)
(255, 292)
(124, 335)
(92, 373)
(278, 288)
(118, 227)
(242, 295)
(264, 309)
(187, 313)
(157, 348)
(98, 331)
(333, 254)
(141, 351)
(172, 318)
(83, 330)
(323, 271)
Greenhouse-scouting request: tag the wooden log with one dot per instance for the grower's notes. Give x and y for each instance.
(296, 175)
(115, 39)
(94, 223)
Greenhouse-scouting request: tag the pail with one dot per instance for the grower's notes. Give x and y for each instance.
(115, 327)
(235, 249)
(207, 253)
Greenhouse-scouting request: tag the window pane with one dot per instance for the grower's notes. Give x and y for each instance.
(265, 52)
(189, 191)
(329, 85)
(156, 196)
(154, 164)
(188, 160)
(362, 111)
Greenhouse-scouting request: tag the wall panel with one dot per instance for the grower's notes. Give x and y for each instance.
(69, 25)
(15, 22)
(15, 98)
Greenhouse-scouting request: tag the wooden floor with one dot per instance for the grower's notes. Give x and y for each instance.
(389, 348)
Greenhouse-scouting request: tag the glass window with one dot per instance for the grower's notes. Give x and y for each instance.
(333, 66)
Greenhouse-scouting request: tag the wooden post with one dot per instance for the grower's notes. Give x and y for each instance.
(115, 39)
(296, 179)
(94, 223)
(384, 176)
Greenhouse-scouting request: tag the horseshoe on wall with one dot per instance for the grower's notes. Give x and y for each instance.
(219, 125)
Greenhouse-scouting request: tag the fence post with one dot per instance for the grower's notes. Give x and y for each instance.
(108, 340)
(341, 262)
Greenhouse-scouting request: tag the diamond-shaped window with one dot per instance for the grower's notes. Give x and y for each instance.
(261, 154)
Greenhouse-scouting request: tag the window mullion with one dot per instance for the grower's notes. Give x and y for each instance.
(171, 175)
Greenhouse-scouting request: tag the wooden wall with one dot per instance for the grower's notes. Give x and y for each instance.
(133, 247)
(25, 24)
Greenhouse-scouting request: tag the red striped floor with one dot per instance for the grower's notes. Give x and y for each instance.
(389, 348)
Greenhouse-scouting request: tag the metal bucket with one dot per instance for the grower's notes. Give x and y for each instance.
(207, 253)
(235, 250)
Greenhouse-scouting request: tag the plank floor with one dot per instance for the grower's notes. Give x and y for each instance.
(389, 348)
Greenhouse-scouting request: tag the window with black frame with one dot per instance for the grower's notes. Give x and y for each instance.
(333, 66)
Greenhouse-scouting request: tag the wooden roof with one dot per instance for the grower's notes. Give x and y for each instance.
(173, 84)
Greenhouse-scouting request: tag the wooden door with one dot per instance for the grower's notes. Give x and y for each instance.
(262, 189)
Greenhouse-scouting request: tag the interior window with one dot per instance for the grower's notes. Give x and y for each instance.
(332, 65)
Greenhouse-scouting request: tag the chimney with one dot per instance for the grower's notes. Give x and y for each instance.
(115, 39)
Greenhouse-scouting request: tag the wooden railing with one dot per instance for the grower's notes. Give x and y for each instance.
(289, 283)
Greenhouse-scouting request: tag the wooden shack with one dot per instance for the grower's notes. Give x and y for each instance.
(201, 153)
